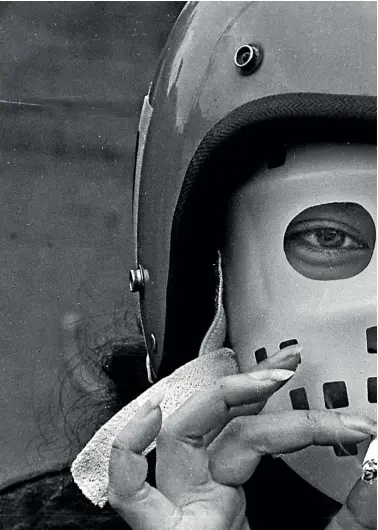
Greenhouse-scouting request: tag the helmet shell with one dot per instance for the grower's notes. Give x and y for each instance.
(322, 48)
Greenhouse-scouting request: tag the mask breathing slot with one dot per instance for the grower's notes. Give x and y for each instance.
(371, 339)
(287, 343)
(260, 355)
(335, 395)
(299, 399)
(372, 389)
(346, 450)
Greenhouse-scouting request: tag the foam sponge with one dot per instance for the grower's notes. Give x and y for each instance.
(90, 468)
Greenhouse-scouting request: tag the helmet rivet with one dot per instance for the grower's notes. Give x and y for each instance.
(248, 58)
(138, 278)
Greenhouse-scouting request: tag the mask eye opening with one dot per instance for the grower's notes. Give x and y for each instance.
(330, 241)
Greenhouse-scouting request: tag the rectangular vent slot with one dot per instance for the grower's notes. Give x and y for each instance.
(335, 395)
(287, 343)
(372, 389)
(299, 399)
(260, 355)
(346, 450)
(371, 339)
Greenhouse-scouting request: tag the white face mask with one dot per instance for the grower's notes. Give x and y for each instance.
(276, 292)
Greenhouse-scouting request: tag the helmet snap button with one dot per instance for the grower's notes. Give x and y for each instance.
(138, 278)
(248, 58)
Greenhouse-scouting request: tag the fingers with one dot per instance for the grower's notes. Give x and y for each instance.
(311, 427)
(182, 460)
(236, 452)
(206, 409)
(142, 506)
(288, 359)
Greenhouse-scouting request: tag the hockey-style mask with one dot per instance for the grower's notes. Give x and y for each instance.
(238, 84)
(299, 266)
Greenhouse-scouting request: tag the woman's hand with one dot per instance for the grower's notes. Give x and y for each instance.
(360, 509)
(203, 458)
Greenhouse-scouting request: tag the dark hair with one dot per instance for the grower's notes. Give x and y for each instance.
(53, 501)
(111, 361)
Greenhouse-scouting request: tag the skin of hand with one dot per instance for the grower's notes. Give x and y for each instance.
(212, 444)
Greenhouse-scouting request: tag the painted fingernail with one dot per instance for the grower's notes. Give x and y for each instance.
(153, 401)
(157, 398)
(276, 374)
(287, 353)
(361, 424)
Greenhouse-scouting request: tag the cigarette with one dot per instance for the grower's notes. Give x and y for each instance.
(369, 466)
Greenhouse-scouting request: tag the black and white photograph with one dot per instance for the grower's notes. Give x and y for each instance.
(188, 322)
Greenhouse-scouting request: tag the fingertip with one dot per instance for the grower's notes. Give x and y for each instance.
(141, 430)
(277, 375)
(157, 398)
(286, 358)
(146, 430)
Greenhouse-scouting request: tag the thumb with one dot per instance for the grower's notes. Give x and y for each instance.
(142, 506)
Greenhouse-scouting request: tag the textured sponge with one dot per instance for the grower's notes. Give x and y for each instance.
(90, 468)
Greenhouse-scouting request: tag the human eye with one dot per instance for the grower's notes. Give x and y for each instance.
(325, 237)
(335, 245)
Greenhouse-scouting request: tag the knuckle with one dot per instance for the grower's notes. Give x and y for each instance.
(220, 387)
(311, 420)
(237, 428)
(127, 483)
(167, 428)
(114, 500)
(218, 394)
(119, 444)
(118, 500)
(264, 444)
(165, 435)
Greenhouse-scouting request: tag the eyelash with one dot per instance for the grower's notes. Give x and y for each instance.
(354, 243)
(306, 228)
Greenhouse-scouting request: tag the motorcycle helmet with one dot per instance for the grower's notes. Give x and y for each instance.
(260, 92)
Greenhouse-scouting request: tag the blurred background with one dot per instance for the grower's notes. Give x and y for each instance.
(72, 80)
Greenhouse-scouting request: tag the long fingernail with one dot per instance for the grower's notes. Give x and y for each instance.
(361, 424)
(157, 398)
(287, 353)
(276, 374)
(154, 400)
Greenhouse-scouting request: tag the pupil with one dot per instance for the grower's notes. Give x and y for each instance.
(329, 234)
(330, 237)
